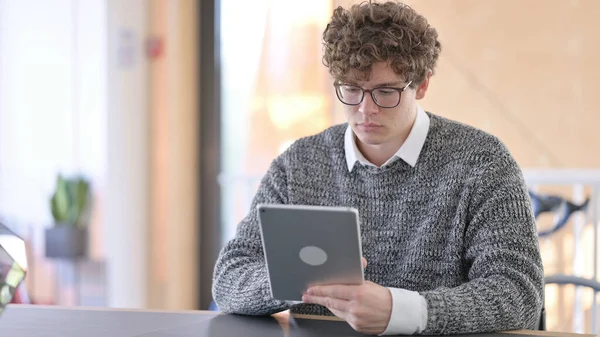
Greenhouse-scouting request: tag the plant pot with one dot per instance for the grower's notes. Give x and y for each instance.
(66, 242)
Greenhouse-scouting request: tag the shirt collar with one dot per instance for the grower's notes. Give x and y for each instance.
(409, 151)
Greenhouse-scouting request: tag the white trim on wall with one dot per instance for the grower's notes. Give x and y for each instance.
(126, 219)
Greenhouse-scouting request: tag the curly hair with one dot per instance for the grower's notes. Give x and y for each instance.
(370, 32)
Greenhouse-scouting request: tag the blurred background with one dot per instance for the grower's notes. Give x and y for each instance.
(163, 115)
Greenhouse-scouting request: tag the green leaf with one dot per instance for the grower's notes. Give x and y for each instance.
(71, 201)
(60, 201)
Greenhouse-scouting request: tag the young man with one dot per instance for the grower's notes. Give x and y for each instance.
(447, 226)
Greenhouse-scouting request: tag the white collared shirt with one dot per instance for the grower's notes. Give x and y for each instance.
(409, 308)
(409, 151)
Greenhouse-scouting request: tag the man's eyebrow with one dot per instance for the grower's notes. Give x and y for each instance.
(389, 84)
(386, 84)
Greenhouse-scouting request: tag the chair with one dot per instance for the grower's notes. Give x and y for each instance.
(561, 279)
(561, 207)
(213, 306)
(542, 323)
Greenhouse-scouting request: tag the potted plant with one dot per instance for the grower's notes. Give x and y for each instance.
(70, 205)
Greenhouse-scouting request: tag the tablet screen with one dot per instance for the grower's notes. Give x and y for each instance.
(310, 245)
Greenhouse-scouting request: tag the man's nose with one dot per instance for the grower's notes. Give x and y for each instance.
(368, 106)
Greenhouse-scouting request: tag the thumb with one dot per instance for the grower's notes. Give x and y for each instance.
(364, 262)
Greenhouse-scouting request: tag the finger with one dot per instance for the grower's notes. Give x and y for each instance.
(341, 306)
(340, 314)
(364, 262)
(342, 292)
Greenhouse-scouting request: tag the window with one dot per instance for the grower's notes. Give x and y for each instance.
(275, 90)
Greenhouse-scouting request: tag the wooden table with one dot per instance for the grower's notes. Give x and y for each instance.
(50, 321)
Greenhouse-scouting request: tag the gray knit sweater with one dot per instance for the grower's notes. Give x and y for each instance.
(458, 228)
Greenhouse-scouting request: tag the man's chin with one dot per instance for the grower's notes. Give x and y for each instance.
(370, 139)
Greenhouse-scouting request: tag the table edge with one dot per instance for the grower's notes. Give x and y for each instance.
(81, 308)
(547, 333)
(281, 314)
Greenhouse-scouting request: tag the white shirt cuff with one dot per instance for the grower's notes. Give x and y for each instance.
(409, 313)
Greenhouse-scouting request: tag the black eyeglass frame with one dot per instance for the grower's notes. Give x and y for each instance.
(399, 90)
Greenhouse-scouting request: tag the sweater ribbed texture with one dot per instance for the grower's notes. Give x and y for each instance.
(458, 228)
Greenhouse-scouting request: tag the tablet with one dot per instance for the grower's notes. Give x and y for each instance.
(309, 245)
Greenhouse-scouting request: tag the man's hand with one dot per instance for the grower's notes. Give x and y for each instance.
(367, 307)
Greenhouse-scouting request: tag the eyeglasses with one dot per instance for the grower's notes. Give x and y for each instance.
(385, 97)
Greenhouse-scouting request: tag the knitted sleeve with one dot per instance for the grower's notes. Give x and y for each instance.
(504, 290)
(240, 281)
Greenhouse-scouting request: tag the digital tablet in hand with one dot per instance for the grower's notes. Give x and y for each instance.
(309, 245)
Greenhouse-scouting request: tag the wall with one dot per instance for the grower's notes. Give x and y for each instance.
(127, 203)
(52, 117)
(81, 92)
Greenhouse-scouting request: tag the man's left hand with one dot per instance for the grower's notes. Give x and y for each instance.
(367, 307)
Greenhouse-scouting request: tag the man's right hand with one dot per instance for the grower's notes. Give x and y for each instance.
(367, 307)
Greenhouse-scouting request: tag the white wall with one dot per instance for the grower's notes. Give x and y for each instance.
(74, 96)
(73, 99)
(52, 106)
(127, 197)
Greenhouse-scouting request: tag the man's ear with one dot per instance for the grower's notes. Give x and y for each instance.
(422, 88)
